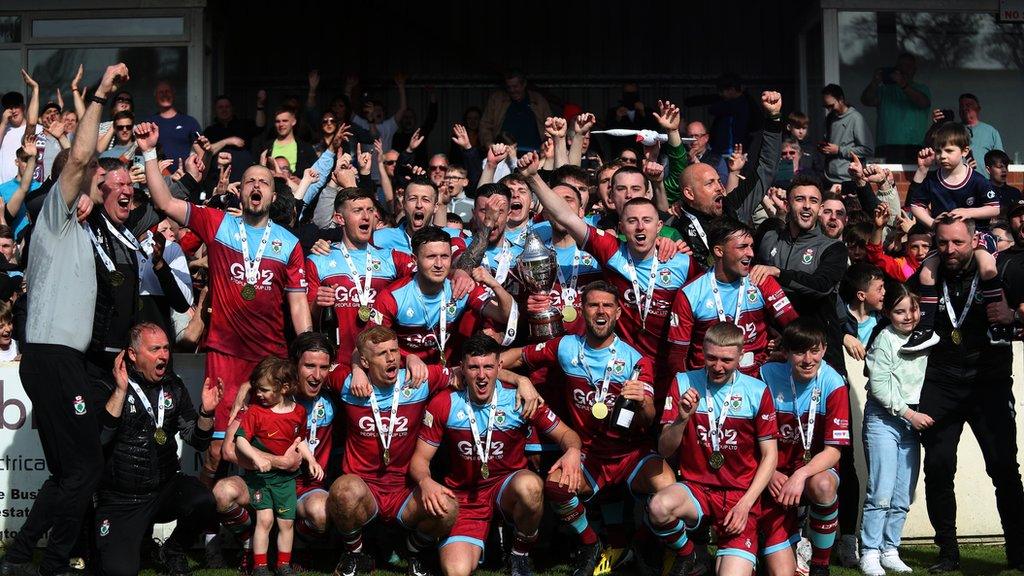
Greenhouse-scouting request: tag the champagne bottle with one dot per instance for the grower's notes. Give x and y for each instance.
(329, 324)
(625, 410)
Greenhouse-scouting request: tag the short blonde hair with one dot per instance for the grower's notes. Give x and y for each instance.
(724, 334)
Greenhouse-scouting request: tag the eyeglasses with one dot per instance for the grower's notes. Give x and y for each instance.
(329, 121)
(438, 168)
(390, 162)
(123, 99)
(454, 178)
(789, 154)
(124, 127)
(701, 135)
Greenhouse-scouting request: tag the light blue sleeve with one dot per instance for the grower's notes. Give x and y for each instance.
(323, 166)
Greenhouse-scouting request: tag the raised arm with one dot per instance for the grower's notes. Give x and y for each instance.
(556, 128)
(146, 135)
(403, 103)
(552, 203)
(84, 148)
(32, 112)
(76, 95)
(581, 127)
(25, 179)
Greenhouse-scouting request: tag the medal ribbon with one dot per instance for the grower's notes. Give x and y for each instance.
(313, 440)
(698, 228)
(718, 299)
(252, 267)
(717, 425)
(484, 451)
(125, 239)
(362, 291)
(644, 310)
(442, 336)
(607, 378)
(569, 292)
(956, 322)
(385, 439)
(504, 259)
(158, 418)
(812, 413)
(104, 257)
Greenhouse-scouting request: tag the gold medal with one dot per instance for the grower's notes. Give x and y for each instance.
(387, 456)
(599, 410)
(717, 460)
(484, 471)
(249, 292)
(160, 436)
(956, 337)
(364, 313)
(568, 313)
(116, 278)
(807, 456)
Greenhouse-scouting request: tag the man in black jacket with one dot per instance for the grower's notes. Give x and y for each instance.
(146, 407)
(702, 193)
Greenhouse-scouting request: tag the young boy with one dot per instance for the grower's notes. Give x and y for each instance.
(270, 426)
(808, 449)
(956, 190)
(8, 346)
(998, 165)
(797, 124)
(862, 289)
(915, 247)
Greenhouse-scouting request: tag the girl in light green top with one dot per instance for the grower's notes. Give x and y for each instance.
(891, 425)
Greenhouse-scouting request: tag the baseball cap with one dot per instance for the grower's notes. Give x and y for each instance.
(49, 105)
(1015, 208)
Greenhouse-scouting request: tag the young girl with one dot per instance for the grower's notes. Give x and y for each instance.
(270, 426)
(8, 346)
(891, 426)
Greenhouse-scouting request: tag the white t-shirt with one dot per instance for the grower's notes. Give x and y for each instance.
(9, 150)
(10, 354)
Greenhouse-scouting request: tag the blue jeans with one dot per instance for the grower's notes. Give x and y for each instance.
(893, 451)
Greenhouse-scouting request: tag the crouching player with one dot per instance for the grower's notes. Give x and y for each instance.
(813, 410)
(719, 425)
(485, 436)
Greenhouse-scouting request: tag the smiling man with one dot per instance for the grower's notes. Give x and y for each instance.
(726, 294)
(832, 217)
(256, 272)
(419, 204)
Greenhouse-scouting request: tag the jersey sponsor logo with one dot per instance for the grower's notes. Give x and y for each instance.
(841, 435)
(728, 437)
(586, 398)
(265, 278)
(990, 194)
(467, 451)
(780, 304)
(345, 295)
(789, 434)
(659, 306)
(841, 422)
(369, 428)
(426, 341)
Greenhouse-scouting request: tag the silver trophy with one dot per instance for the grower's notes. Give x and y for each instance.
(537, 270)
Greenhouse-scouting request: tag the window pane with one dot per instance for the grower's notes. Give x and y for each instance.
(956, 52)
(102, 27)
(10, 29)
(11, 60)
(146, 65)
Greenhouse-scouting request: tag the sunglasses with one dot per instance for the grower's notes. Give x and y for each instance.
(128, 127)
(123, 99)
(329, 121)
(390, 162)
(438, 168)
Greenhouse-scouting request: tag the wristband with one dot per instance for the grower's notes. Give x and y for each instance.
(97, 99)
(204, 414)
(149, 155)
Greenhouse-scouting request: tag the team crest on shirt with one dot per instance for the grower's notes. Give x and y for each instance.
(735, 402)
(450, 309)
(79, 405)
(808, 256)
(320, 412)
(168, 401)
(666, 275)
(499, 418)
(587, 260)
(752, 294)
(991, 194)
(105, 527)
(428, 419)
(619, 367)
(407, 392)
(276, 246)
(409, 313)
(969, 201)
(375, 264)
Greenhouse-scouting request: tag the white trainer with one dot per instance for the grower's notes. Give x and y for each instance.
(891, 561)
(870, 563)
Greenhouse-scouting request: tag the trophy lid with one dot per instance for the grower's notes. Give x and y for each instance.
(534, 248)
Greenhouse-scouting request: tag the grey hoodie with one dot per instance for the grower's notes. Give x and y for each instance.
(851, 134)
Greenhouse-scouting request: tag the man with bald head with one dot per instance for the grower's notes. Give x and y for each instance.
(177, 130)
(256, 267)
(702, 191)
(699, 153)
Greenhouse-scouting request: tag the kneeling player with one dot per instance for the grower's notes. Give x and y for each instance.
(813, 414)
(720, 426)
(379, 441)
(485, 434)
